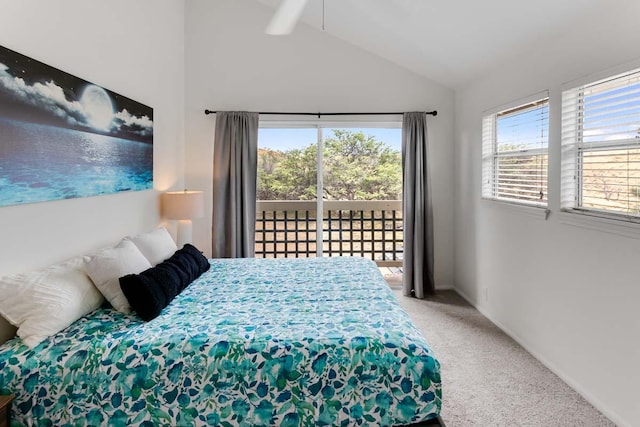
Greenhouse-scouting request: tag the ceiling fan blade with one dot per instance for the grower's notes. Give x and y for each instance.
(286, 17)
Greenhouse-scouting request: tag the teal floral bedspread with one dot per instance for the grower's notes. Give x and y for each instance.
(295, 342)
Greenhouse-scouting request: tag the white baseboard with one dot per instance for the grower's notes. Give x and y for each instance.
(597, 403)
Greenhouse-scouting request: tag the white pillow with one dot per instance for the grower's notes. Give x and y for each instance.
(43, 302)
(106, 268)
(156, 245)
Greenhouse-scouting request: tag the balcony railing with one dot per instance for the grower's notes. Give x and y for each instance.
(290, 229)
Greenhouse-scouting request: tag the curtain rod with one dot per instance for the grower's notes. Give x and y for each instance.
(432, 113)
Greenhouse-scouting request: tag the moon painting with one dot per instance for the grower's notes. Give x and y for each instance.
(63, 137)
(98, 105)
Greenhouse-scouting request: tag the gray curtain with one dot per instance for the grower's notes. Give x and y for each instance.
(235, 154)
(416, 207)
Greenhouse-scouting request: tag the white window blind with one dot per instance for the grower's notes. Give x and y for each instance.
(515, 145)
(601, 147)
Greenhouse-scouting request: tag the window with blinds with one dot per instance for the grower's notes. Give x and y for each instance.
(601, 147)
(515, 145)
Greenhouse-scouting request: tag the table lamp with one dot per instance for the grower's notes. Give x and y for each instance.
(183, 206)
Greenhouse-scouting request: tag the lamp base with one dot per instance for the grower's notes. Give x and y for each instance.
(184, 232)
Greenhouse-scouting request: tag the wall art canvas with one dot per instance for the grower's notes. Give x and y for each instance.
(63, 137)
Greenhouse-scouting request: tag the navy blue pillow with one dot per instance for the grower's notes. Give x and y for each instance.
(153, 289)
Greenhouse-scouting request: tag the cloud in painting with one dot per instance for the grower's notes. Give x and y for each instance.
(127, 122)
(46, 96)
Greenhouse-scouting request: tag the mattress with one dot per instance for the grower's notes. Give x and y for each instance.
(283, 342)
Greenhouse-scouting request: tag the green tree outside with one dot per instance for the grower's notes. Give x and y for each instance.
(356, 167)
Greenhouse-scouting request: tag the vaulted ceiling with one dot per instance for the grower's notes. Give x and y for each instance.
(449, 41)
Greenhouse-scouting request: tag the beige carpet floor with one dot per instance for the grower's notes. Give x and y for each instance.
(488, 379)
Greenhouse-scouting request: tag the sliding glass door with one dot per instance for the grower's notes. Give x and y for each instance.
(330, 190)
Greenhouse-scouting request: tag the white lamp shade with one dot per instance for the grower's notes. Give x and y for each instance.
(183, 204)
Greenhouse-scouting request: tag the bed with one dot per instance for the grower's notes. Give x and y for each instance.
(282, 342)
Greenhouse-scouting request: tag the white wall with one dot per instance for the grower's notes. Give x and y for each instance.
(232, 65)
(114, 44)
(569, 294)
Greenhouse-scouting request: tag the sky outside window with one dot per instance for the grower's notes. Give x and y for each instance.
(292, 138)
(526, 129)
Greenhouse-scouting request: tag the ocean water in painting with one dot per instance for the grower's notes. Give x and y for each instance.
(40, 162)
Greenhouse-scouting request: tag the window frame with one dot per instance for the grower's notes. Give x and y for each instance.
(573, 149)
(320, 124)
(490, 155)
